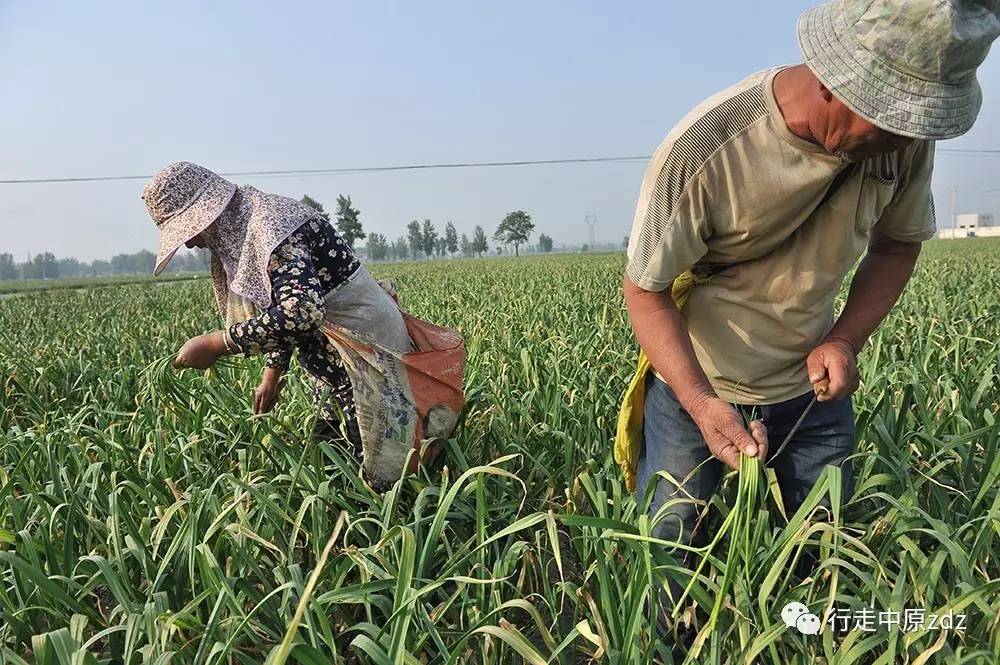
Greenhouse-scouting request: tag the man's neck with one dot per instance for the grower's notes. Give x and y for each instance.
(792, 89)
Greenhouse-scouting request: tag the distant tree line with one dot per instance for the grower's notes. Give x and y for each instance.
(421, 241)
(46, 266)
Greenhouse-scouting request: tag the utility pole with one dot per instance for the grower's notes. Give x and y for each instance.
(591, 221)
(954, 211)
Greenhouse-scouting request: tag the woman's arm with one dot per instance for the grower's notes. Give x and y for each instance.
(297, 310)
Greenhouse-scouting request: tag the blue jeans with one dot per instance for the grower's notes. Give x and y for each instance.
(673, 443)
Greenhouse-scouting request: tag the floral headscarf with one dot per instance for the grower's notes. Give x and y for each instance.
(242, 239)
(241, 225)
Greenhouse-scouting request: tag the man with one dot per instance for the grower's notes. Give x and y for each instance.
(769, 192)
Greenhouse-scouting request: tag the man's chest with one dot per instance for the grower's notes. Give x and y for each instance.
(834, 207)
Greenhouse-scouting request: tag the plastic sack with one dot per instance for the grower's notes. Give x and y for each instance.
(404, 400)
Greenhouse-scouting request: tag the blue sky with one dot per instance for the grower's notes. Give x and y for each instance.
(115, 88)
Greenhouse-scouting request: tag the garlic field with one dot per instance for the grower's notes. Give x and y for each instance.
(147, 517)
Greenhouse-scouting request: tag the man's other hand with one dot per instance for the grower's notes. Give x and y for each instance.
(833, 370)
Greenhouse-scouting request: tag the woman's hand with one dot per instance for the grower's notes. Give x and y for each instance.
(266, 395)
(202, 351)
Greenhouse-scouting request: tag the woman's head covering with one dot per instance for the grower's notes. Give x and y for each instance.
(241, 225)
(183, 199)
(907, 66)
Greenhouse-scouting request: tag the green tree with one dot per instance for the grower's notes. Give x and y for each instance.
(144, 261)
(378, 246)
(400, 249)
(514, 229)
(464, 246)
(348, 222)
(8, 269)
(313, 203)
(69, 267)
(441, 246)
(479, 244)
(45, 266)
(416, 238)
(451, 238)
(544, 243)
(430, 238)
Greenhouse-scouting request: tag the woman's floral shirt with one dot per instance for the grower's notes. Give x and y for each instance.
(302, 270)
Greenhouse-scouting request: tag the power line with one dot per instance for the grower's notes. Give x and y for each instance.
(407, 167)
(968, 151)
(368, 169)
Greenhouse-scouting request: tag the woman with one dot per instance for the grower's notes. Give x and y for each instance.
(283, 279)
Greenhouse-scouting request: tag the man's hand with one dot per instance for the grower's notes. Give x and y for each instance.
(833, 370)
(266, 395)
(202, 351)
(723, 431)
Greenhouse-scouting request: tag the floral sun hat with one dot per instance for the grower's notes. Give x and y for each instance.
(184, 199)
(241, 226)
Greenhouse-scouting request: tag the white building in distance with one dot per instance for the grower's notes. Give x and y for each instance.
(975, 225)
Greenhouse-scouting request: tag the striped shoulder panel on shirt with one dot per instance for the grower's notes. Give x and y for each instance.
(692, 147)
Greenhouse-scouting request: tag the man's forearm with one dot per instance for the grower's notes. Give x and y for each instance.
(877, 285)
(662, 333)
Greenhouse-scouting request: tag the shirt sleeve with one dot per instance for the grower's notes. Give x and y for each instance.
(279, 359)
(297, 310)
(909, 217)
(671, 225)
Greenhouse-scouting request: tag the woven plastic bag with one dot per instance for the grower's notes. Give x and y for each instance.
(403, 400)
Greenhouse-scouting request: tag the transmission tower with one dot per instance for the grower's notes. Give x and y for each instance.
(591, 221)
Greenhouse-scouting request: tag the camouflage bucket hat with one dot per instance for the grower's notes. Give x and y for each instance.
(907, 66)
(184, 199)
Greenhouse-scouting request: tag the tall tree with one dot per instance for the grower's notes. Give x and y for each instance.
(441, 246)
(451, 238)
(416, 238)
(8, 269)
(544, 243)
(464, 246)
(70, 267)
(430, 238)
(514, 229)
(348, 222)
(479, 244)
(400, 249)
(378, 246)
(144, 261)
(45, 266)
(313, 203)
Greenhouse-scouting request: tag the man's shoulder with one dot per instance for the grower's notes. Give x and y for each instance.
(718, 119)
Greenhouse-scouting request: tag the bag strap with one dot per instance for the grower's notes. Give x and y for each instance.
(836, 184)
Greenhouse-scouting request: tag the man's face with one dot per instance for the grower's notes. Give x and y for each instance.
(854, 138)
(196, 241)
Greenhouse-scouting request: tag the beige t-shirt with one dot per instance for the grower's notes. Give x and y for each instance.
(732, 186)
